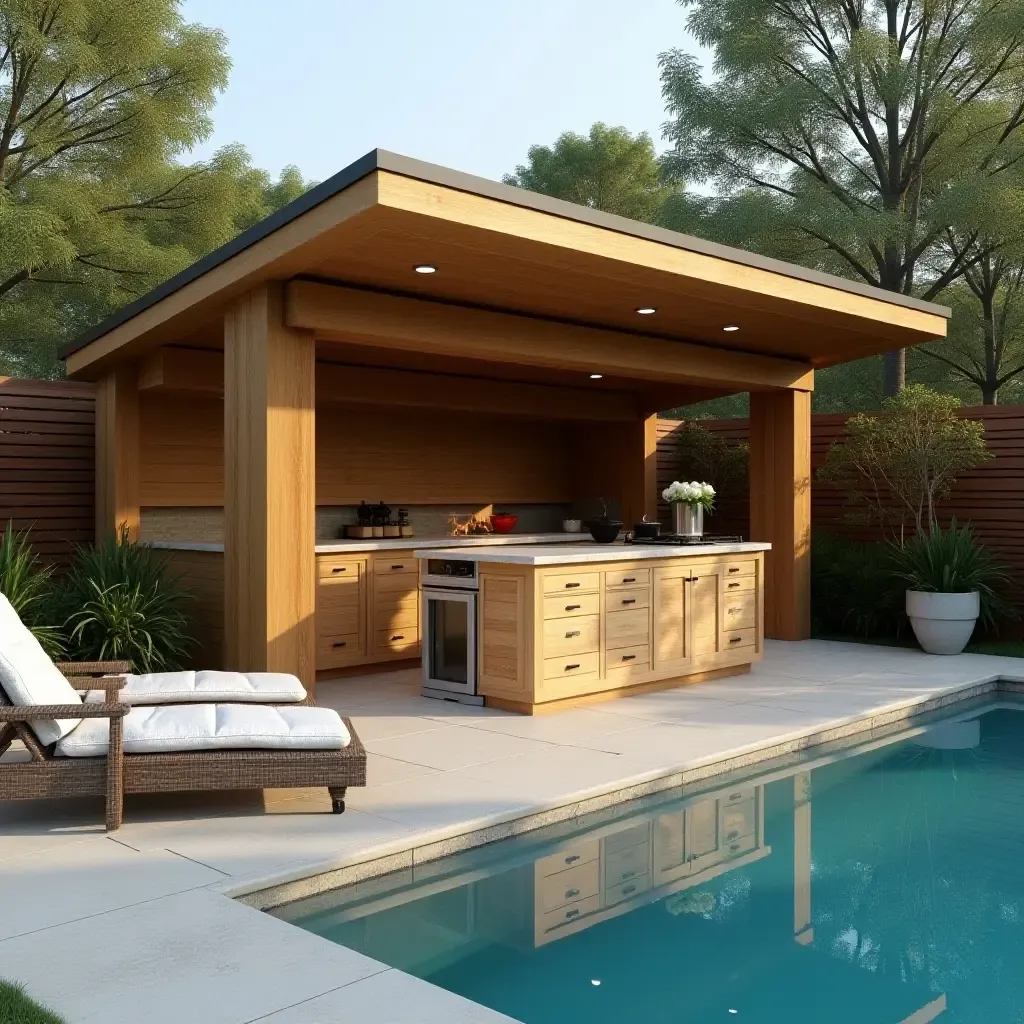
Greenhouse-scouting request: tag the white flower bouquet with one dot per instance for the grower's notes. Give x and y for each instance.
(692, 493)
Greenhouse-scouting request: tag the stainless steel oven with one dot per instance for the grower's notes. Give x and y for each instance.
(448, 602)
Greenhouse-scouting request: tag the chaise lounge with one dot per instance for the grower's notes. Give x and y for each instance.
(169, 732)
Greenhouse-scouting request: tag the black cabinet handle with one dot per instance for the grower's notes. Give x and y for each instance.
(340, 643)
(627, 875)
(734, 570)
(569, 586)
(734, 847)
(629, 579)
(572, 858)
(733, 586)
(735, 639)
(629, 600)
(572, 607)
(693, 579)
(628, 657)
(571, 913)
(569, 668)
(399, 636)
(571, 893)
(398, 567)
(341, 568)
(572, 633)
(732, 835)
(629, 890)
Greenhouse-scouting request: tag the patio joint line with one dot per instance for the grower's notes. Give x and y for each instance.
(337, 988)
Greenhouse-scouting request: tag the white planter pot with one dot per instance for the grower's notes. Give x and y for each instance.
(942, 623)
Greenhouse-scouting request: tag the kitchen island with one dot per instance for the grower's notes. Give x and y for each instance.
(564, 624)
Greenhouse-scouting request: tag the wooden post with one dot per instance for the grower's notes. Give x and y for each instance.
(638, 470)
(117, 452)
(780, 506)
(269, 492)
(803, 928)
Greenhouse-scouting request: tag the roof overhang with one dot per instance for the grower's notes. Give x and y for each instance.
(503, 249)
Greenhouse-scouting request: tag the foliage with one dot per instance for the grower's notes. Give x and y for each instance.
(17, 1008)
(26, 583)
(121, 602)
(98, 100)
(855, 137)
(896, 466)
(609, 170)
(701, 454)
(852, 589)
(952, 561)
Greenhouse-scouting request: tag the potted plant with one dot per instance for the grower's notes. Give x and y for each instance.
(689, 501)
(951, 582)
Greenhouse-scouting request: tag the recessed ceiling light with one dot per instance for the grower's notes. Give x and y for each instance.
(596, 376)
(425, 268)
(730, 327)
(646, 310)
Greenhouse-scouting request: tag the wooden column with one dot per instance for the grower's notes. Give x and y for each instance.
(803, 929)
(117, 452)
(780, 506)
(269, 492)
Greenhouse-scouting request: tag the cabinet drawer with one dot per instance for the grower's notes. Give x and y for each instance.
(627, 578)
(571, 665)
(337, 620)
(566, 915)
(332, 567)
(626, 864)
(738, 585)
(739, 612)
(738, 847)
(741, 567)
(625, 891)
(738, 638)
(738, 820)
(344, 594)
(628, 657)
(396, 583)
(394, 561)
(578, 883)
(389, 611)
(402, 638)
(569, 856)
(627, 838)
(578, 634)
(626, 598)
(626, 629)
(334, 650)
(566, 583)
(581, 604)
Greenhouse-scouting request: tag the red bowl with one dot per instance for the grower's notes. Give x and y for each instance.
(504, 522)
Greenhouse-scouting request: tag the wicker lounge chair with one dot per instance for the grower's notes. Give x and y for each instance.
(48, 729)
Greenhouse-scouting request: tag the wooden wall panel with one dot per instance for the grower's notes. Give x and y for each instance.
(117, 452)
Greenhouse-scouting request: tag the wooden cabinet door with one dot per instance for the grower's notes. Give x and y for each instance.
(705, 610)
(703, 835)
(669, 853)
(671, 623)
(341, 612)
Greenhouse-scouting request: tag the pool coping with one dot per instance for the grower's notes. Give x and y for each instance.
(275, 889)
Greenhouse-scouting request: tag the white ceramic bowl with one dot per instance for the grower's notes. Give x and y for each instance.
(572, 525)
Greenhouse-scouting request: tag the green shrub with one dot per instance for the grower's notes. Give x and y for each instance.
(952, 562)
(17, 1008)
(27, 584)
(122, 603)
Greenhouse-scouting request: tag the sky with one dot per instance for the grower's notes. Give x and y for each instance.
(470, 84)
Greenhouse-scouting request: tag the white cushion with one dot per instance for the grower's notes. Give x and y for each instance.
(160, 730)
(208, 688)
(28, 676)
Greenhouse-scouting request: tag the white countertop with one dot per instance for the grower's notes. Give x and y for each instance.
(577, 554)
(337, 547)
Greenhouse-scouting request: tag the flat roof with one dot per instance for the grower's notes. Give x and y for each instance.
(382, 160)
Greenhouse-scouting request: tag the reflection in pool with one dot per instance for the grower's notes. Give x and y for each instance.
(881, 885)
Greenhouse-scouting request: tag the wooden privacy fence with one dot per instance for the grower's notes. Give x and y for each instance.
(46, 462)
(991, 497)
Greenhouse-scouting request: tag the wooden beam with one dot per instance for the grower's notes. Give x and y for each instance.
(780, 507)
(417, 325)
(117, 452)
(269, 500)
(182, 370)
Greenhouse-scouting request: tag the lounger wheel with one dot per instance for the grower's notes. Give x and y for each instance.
(338, 806)
(338, 799)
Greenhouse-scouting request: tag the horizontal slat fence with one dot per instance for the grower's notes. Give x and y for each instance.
(47, 454)
(991, 498)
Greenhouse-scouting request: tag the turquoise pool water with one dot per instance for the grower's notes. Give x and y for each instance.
(877, 885)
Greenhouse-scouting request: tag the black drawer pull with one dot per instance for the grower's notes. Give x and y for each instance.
(693, 579)
(340, 643)
(629, 579)
(735, 639)
(628, 657)
(733, 586)
(398, 567)
(571, 893)
(571, 913)
(629, 600)
(734, 569)
(572, 858)
(737, 796)
(627, 875)
(734, 847)
(569, 586)
(629, 890)
(569, 668)
(572, 607)
(398, 636)
(735, 610)
(572, 633)
(341, 568)
(732, 835)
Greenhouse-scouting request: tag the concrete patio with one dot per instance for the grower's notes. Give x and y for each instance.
(104, 928)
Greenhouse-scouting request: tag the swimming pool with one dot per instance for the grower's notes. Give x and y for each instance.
(881, 884)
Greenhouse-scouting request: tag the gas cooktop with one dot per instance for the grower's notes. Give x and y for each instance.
(682, 541)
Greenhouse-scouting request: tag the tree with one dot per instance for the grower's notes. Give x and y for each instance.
(97, 100)
(609, 170)
(851, 134)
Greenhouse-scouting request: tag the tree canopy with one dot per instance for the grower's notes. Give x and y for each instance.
(99, 100)
(855, 135)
